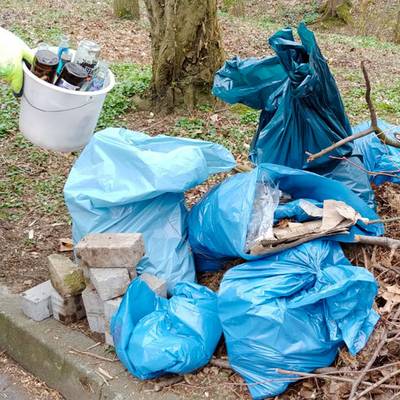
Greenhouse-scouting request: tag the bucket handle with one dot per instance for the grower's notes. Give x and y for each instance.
(56, 111)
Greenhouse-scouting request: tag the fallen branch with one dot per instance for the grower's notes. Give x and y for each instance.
(306, 375)
(338, 144)
(394, 173)
(370, 363)
(378, 241)
(87, 353)
(386, 139)
(377, 384)
(383, 221)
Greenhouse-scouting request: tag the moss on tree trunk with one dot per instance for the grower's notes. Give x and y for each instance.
(186, 50)
(126, 9)
(339, 9)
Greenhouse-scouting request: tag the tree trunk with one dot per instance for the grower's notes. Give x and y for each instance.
(126, 9)
(397, 29)
(186, 50)
(340, 9)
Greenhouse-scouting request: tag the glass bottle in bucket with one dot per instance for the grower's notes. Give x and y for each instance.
(45, 64)
(99, 77)
(72, 77)
(87, 55)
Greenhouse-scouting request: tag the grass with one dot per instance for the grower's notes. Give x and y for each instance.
(131, 80)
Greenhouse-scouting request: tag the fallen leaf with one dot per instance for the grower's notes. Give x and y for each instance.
(391, 294)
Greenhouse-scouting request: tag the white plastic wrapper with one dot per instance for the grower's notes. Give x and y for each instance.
(266, 200)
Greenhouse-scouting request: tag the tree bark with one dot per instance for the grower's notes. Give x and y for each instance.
(126, 9)
(186, 50)
(339, 9)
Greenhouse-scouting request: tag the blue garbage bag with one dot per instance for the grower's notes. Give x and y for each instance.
(218, 223)
(293, 311)
(154, 336)
(301, 106)
(351, 172)
(127, 181)
(378, 156)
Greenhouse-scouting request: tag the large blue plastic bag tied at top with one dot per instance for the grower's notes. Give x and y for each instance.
(127, 181)
(154, 336)
(300, 102)
(293, 311)
(218, 223)
(378, 156)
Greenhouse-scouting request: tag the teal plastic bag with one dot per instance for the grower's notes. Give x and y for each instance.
(294, 311)
(154, 336)
(302, 110)
(127, 181)
(378, 156)
(218, 223)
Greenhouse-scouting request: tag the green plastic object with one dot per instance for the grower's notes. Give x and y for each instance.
(12, 51)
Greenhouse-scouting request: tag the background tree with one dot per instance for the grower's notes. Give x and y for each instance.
(126, 9)
(340, 9)
(186, 50)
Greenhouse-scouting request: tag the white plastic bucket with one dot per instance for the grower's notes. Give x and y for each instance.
(56, 118)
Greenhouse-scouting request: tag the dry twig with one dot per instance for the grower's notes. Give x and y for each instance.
(373, 128)
(87, 353)
(378, 241)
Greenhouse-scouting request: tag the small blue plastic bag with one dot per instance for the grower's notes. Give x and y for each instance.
(154, 336)
(377, 156)
(218, 223)
(127, 181)
(293, 311)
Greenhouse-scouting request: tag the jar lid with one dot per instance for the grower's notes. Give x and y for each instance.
(47, 57)
(66, 57)
(75, 69)
(90, 45)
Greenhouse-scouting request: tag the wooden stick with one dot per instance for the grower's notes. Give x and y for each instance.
(377, 384)
(331, 377)
(378, 241)
(383, 221)
(371, 361)
(87, 353)
(338, 144)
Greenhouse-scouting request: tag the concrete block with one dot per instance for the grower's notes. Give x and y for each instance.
(36, 303)
(109, 282)
(110, 308)
(94, 309)
(111, 250)
(68, 309)
(65, 276)
(157, 285)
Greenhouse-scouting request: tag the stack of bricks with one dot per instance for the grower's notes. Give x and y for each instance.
(109, 263)
(60, 296)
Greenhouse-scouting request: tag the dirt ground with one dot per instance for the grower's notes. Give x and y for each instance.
(33, 217)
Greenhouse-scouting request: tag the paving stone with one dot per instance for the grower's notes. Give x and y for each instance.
(109, 282)
(157, 285)
(110, 308)
(94, 309)
(36, 303)
(66, 277)
(111, 250)
(67, 309)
